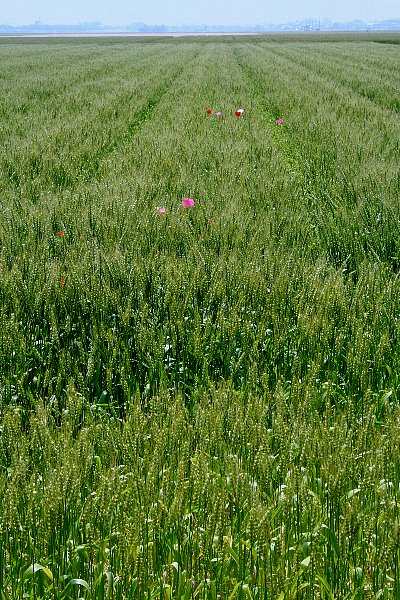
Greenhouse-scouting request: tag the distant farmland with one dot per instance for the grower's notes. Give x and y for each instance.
(200, 318)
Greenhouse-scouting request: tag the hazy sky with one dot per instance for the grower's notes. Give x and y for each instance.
(168, 12)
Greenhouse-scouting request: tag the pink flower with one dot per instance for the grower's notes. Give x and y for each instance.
(279, 121)
(161, 210)
(188, 202)
(218, 113)
(239, 112)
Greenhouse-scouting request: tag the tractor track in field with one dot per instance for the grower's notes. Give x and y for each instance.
(346, 87)
(90, 170)
(336, 86)
(290, 155)
(144, 114)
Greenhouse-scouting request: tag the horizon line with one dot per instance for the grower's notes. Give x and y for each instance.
(39, 23)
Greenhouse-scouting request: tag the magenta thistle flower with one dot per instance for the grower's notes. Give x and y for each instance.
(161, 210)
(279, 121)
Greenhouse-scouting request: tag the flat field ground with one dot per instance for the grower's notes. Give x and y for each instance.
(200, 401)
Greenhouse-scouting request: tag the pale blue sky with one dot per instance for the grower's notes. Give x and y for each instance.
(169, 12)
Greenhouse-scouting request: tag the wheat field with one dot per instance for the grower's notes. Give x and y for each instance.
(199, 318)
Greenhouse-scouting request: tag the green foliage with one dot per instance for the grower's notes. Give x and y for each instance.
(201, 404)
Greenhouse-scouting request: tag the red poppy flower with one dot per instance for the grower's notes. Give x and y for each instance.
(212, 221)
(209, 111)
(59, 233)
(62, 281)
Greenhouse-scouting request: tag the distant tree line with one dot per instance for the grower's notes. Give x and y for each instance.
(96, 27)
